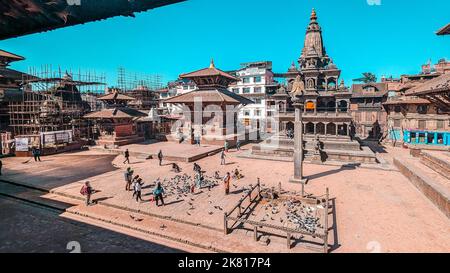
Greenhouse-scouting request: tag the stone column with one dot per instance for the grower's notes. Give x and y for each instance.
(298, 147)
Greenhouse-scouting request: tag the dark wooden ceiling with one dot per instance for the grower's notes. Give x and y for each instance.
(21, 17)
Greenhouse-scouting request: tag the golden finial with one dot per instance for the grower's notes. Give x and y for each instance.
(211, 65)
(313, 15)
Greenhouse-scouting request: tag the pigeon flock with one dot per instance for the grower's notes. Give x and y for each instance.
(296, 215)
(181, 185)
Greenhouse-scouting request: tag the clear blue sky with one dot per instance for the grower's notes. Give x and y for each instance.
(393, 38)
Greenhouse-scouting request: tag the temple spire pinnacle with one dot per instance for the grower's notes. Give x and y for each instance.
(313, 15)
(211, 65)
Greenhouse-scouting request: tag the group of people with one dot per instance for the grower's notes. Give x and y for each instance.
(126, 154)
(135, 184)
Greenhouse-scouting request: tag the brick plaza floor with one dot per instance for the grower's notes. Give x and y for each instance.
(373, 207)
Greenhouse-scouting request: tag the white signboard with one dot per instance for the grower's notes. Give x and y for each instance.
(22, 144)
(56, 137)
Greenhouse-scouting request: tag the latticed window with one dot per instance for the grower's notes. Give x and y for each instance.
(422, 124)
(422, 109)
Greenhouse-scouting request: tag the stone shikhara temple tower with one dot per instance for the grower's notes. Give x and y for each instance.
(326, 116)
(326, 110)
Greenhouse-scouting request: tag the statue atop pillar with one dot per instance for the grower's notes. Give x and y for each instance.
(298, 87)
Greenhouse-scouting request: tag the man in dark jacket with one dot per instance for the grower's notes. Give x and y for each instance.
(36, 154)
(160, 157)
(127, 156)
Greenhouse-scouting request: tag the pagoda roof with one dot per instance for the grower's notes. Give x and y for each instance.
(9, 55)
(444, 30)
(436, 85)
(207, 72)
(210, 96)
(122, 112)
(116, 96)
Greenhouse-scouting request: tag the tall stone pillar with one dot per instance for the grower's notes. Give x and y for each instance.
(298, 146)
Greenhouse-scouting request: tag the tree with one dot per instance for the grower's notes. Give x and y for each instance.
(367, 78)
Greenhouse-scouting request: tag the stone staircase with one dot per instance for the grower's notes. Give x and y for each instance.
(438, 161)
(335, 148)
(429, 172)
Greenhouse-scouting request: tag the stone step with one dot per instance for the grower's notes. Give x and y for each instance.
(433, 185)
(198, 239)
(438, 161)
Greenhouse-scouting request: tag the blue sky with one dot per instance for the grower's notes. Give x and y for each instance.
(393, 38)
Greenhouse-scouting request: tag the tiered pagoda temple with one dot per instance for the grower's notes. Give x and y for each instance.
(117, 124)
(211, 110)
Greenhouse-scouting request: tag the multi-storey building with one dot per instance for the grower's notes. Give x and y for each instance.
(173, 89)
(418, 110)
(368, 113)
(256, 82)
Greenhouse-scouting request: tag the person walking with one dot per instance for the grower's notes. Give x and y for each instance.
(225, 146)
(87, 191)
(158, 193)
(160, 157)
(226, 183)
(238, 145)
(222, 157)
(137, 187)
(36, 154)
(127, 156)
(197, 140)
(127, 175)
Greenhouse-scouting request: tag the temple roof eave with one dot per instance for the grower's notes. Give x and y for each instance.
(219, 96)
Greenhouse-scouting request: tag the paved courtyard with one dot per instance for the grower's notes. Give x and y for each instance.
(31, 229)
(172, 151)
(375, 210)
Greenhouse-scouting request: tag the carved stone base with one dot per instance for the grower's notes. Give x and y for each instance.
(294, 180)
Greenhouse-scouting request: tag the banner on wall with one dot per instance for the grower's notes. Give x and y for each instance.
(22, 144)
(51, 138)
